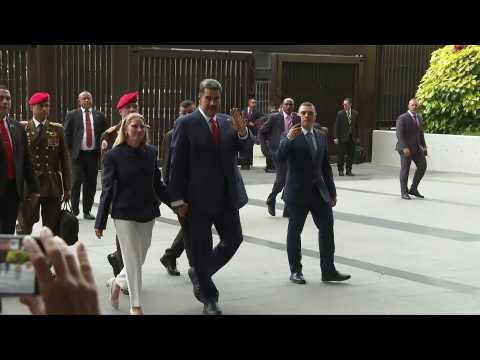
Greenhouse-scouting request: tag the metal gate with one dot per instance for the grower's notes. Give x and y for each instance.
(79, 68)
(167, 77)
(399, 71)
(13, 74)
(323, 84)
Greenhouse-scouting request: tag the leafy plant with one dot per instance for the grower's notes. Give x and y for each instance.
(16, 257)
(449, 92)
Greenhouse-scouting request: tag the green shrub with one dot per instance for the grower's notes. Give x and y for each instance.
(16, 257)
(449, 92)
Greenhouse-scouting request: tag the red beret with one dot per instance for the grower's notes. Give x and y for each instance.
(38, 98)
(127, 99)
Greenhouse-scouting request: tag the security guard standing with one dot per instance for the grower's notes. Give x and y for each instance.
(51, 165)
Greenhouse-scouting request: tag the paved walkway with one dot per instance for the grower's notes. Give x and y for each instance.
(405, 257)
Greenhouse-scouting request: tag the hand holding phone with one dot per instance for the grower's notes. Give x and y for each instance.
(72, 290)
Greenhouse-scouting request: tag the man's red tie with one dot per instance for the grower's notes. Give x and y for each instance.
(88, 129)
(215, 131)
(7, 145)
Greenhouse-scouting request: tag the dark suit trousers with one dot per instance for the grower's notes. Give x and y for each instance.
(178, 245)
(205, 260)
(84, 171)
(280, 179)
(30, 214)
(269, 161)
(323, 217)
(420, 163)
(246, 155)
(348, 149)
(9, 208)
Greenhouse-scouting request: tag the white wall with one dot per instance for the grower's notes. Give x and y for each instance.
(450, 153)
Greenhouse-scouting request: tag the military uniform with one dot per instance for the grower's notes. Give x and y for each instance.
(51, 164)
(108, 138)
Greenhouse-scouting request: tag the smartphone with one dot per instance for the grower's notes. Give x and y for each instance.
(17, 274)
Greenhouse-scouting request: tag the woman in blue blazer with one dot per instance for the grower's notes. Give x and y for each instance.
(132, 186)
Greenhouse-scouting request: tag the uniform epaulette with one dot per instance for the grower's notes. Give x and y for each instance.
(56, 124)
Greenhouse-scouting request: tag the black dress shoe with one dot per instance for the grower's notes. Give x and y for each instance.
(170, 264)
(196, 286)
(297, 278)
(245, 167)
(88, 216)
(270, 171)
(340, 173)
(112, 259)
(211, 308)
(349, 173)
(406, 197)
(75, 212)
(335, 276)
(271, 207)
(415, 192)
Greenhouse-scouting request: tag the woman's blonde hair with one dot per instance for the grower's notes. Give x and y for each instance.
(122, 133)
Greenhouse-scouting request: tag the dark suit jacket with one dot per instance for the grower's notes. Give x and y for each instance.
(409, 135)
(132, 184)
(343, 128)
(304, 171)
(166, 158)
(74, 130)
(200, 170)
(272, 130)
(23, 164)
(255, 119)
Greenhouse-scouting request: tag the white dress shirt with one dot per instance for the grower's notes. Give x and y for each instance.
(83, 145)
(414, 116)
(36, 122)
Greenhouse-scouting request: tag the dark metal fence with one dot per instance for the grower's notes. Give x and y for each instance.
(399, 71)
(13, 74)
(79, 68)
(166, 77)
(262, 95)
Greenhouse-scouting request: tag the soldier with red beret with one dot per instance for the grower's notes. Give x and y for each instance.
(51, 165)
(127, 104)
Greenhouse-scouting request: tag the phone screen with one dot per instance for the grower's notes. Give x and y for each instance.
(17, 274)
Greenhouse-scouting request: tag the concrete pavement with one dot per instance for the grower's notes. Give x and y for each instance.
(405, 257)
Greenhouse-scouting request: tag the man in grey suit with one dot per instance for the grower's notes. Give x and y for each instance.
(83, 130)
(272, 131)
(346, 136)
(411, 146)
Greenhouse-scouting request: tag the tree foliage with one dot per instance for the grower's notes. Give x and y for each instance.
(449, 92)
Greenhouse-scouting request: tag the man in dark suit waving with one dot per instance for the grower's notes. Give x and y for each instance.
(15, 166)
(309, 188)
(411, 146)
(346, 136)
(83, 129)
(206, 188)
